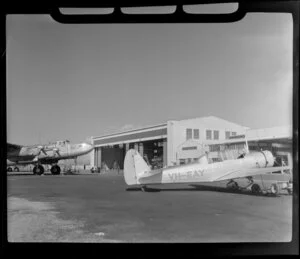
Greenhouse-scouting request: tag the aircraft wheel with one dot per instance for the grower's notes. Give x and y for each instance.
(39, 170)
(255, 188)
(233, 186)
(9, 169)
(16, 169)
(55, 170)
(274, 189)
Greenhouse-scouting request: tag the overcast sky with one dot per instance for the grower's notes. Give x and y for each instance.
(74, 81)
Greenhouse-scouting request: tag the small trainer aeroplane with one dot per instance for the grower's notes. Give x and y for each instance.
(45, 154)
(247, 165)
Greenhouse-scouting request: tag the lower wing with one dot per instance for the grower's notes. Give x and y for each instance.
(250, 172)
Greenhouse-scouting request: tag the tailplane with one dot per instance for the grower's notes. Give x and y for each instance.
(134, 165)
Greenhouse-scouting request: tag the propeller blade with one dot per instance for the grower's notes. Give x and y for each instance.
(56, 150)
(41, 149)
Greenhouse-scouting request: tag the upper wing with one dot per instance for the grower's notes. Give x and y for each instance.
(250, 172)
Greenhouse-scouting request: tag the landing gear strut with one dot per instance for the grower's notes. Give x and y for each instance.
(55, 170)
(144, 188)
(232, 185)
(274, 189)
(255, 188)
(38, 170)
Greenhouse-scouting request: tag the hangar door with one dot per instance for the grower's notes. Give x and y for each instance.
(112, 156)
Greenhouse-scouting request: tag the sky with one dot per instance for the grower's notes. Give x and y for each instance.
(72, 81)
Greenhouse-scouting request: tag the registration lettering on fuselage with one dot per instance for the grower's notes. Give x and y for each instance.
(189, 175)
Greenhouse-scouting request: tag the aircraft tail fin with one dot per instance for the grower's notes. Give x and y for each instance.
(134, 165)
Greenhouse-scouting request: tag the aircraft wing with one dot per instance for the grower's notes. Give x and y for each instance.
(11, 163)
(250, 172)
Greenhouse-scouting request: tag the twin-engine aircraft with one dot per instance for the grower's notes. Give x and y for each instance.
(45, 154)
(137, 172)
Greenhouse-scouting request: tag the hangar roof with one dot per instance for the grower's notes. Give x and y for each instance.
(282, 133)
(141, 134)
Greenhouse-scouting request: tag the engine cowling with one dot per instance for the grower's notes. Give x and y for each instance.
(262, 158)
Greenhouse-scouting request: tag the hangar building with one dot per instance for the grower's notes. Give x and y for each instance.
(167, 144)
(278, 140)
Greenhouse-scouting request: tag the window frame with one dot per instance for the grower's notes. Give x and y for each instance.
(196, 130)
(218, 133)
(207, 131)
(186, 133)
(228, 135)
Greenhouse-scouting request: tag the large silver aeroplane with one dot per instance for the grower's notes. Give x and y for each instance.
(45, 154)
(247, 165)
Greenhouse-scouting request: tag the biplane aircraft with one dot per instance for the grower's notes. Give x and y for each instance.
(44, 154)
(247, 165)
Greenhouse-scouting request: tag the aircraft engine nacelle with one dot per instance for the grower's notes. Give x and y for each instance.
(261, 158)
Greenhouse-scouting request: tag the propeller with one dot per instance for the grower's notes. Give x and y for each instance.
(56, 151)
(41, 149)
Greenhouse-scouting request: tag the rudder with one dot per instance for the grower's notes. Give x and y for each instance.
(134, 165)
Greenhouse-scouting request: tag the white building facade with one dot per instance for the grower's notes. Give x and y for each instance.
(174, 142)
(200, 131)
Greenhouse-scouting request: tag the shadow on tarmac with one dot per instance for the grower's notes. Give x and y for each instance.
(20, 174)
(206, 188)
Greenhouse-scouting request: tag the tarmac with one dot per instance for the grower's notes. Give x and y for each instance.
(99, 208)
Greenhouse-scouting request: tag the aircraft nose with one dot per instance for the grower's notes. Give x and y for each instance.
(88, 147)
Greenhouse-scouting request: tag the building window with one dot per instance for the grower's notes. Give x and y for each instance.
(216, 134)
(214, 148)
(188, 134)
(181, 161)
(189, 148)
(233, 133)
(227, 134)
(208, 134)
(196, 133)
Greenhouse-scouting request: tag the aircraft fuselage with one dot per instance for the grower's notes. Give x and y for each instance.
(51, 153)
(196, 172)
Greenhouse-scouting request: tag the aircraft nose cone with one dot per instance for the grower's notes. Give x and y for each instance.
(88, 147)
